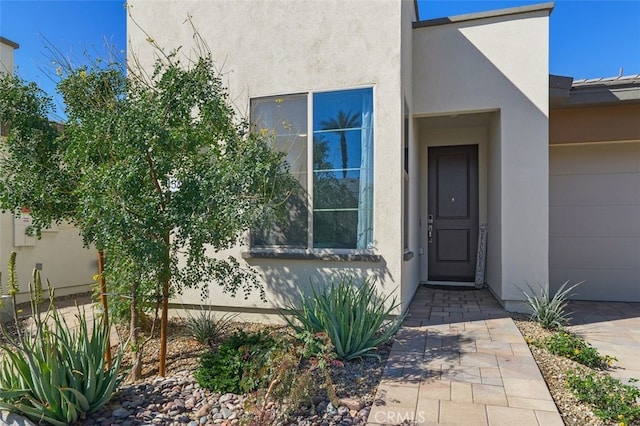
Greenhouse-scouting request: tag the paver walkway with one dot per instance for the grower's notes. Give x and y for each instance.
(614, 329)
(460, 359)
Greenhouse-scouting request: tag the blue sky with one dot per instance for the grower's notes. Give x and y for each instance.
(588, 39)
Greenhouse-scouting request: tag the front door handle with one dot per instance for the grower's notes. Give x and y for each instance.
(430, 233)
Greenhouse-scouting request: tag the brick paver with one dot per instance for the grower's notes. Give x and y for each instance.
(460, 359)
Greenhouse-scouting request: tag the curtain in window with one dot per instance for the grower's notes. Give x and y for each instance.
(365, 199)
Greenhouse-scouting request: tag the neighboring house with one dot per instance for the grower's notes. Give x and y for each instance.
(6, 61)
(59, 254)
(408, 136)
(594, 198)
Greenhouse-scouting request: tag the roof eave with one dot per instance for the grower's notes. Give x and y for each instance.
(484, 15)
(9, 42)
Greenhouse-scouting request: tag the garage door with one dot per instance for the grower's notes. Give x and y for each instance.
(594, 220)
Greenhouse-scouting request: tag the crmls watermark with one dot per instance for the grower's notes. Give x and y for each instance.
(399, 417)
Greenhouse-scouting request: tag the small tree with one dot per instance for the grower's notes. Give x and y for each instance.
(153, 168)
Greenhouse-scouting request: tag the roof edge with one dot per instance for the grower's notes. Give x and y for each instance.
(564, 92)
(9, 42)
(483, 15)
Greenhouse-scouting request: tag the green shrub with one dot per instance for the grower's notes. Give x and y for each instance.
(572, 346)
(206, 328)
(611, 399)
(354, 318)
(550, 313)
(56, 374)
(239, 365)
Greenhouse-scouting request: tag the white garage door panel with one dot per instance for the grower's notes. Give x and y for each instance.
(596, 159)
(600, 284)
(594, 190)
(595, 221)
(605, 253)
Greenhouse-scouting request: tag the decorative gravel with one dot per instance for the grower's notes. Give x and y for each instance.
(553, 369)
(179, 400)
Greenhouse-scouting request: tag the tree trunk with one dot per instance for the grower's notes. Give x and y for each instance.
(164, 319)
(134, 338)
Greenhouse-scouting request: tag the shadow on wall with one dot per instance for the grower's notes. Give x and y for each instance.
(285, 279)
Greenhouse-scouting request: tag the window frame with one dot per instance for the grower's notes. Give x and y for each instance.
(311, 252)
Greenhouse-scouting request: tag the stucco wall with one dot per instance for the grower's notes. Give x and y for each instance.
(606, 123)
(270, 48)
(6, 57)
(411, 265)
(482, 65)
(67, 265)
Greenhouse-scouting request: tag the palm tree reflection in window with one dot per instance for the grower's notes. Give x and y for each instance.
(335, 202)
(342, 122)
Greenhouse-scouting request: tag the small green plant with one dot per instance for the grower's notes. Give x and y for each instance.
(238, 365)
(572, 346)
(56, 374)
(550, 312)
(354, 317)
(206, 328)
(611, 399)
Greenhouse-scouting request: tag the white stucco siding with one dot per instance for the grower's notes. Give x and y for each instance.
(498, 63)
(411, 265)
(271, 48)
(595, 220)
(60, 254)
(6, 58)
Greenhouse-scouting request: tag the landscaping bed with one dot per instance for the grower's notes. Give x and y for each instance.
(554, 369)
(179, 399)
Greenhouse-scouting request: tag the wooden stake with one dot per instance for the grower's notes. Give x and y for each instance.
(105, 305)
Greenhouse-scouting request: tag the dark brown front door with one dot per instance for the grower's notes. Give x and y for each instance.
(453, 212)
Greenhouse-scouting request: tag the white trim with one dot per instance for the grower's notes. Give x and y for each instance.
(551, 145)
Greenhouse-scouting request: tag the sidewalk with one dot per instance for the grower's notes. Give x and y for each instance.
(459, 359)
(614, 329)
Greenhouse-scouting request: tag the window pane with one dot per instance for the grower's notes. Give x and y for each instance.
(343, 169)
(332, 191)
(335, 229)
(280, 115)
(295, 148)
(284, 120)
(291, 231)
(340, 110)
(334, 150)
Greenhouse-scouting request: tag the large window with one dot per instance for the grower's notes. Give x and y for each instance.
(328, 141)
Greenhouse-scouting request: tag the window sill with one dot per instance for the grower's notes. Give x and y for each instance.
(338, 257)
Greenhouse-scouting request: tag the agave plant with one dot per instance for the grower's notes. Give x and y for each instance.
(550, 313)
(56, 374)
(205, 327)
(354, 317)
